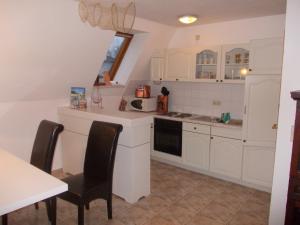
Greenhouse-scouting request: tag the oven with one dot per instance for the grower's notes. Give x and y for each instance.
(168, 136)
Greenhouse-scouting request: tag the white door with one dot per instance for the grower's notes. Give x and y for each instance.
(196, 149)
(258, 165)
(261, 110)
(235, 63)
(157, 68)
(178, 64)
(226, 157)
(266, 56)
(207, 63)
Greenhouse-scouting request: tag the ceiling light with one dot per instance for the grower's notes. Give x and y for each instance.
(187, 19)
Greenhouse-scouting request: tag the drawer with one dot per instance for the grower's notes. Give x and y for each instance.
(198, 128)
(235, 133)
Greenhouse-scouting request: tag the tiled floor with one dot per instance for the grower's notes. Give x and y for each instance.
(178, 197)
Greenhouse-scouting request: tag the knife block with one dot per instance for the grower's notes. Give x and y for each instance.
(162, 104)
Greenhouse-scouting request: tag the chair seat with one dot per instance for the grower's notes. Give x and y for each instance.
(82, 190)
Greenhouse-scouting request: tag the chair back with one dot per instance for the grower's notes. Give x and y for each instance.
(101, 150)
(44, 145)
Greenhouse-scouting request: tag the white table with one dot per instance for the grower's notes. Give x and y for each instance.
(22, 184)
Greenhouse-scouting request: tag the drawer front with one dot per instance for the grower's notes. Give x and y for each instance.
(198, 128)
(227, 132)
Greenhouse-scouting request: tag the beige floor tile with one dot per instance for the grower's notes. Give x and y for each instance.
(178, 197)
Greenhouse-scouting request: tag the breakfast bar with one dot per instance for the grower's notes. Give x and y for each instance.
(131, 179)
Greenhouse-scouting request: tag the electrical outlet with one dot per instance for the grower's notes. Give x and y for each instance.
(216, 102)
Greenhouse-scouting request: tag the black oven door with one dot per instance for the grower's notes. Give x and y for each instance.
(168, 136)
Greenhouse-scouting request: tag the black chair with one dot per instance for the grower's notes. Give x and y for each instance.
(43, 152)
(96, 180)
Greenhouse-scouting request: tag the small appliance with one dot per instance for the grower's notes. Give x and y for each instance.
(142, 104)
(143, 91)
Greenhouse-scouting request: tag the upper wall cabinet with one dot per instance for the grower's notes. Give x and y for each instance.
(157, 67)
(178, 64)
(222, 64)
(207, 61)
(235, 63)
(266, 56)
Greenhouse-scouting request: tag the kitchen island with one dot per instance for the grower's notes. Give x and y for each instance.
(131, 179)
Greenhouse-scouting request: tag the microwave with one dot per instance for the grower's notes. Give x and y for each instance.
(142, 104)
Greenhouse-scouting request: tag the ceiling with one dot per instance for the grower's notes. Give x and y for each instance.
(208, 11)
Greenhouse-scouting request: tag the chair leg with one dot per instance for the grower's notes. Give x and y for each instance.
(109, 207)
(87, 206)
(48, 207)
(4, 219)
(81, 215)
(36, 205)
(52, 204)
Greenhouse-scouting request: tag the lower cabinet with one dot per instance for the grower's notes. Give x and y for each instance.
(196, 149)
(258, 165)
(226, 157)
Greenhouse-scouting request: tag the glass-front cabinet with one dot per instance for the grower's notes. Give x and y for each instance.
(207, 68)
(223, 64)
(235, 63)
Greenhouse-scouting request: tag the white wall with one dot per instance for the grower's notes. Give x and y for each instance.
(290, 82)
(45, 49)
(197, 98)
(232, 32)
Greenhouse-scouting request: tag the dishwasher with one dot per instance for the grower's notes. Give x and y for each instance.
(168, 136)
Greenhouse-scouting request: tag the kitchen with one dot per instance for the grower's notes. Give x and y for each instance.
(38, 94)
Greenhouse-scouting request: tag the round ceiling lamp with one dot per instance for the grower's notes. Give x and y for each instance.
(188, 19)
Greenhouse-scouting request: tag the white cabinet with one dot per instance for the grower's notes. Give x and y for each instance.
(234, 63)
(226, 157)
(266, 56)
(258, 165)
(261, 110)
(207, 64)
(195, 143)
(178, 64)
(260, 129)
(157, 68)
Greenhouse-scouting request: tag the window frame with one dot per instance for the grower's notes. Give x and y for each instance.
(119, 58)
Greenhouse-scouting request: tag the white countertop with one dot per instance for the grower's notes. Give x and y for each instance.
(132, 118)
(23, 184)
(191, 120)
(126, 118)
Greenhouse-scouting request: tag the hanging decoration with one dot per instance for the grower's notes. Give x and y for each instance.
(108, 15)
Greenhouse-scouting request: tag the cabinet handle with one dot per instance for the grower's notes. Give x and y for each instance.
(275, 126)
(250, 70)
(211, 137)
(244, 141)
(221, 80)
(195, 128)
(177, 79)
(217, 80)
(160, 79)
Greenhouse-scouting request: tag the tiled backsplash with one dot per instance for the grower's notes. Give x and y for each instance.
(199, 98)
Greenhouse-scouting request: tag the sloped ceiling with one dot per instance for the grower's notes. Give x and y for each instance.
(45, 49)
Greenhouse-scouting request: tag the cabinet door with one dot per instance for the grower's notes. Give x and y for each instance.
(266, 56)
(207, 65)
(157, 68)
(261, 110)
(178, 64)
(196, 149)
(235, 63)
(226, 157)
(258, 165)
